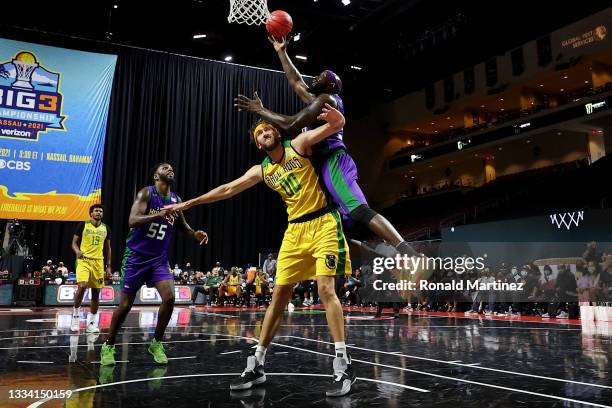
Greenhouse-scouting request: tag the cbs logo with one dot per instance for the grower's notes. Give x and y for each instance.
(15, 165)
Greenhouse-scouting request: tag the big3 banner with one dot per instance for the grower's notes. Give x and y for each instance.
(53, 112)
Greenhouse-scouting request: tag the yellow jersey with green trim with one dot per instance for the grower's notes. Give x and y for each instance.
(92, 239)
(297, 182)
(233, 280)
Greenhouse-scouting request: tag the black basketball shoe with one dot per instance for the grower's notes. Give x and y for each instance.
(344, 377)
(252, 375)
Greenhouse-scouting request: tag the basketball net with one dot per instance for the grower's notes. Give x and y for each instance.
(251, 12)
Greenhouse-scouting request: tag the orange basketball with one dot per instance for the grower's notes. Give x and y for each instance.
(279, 24)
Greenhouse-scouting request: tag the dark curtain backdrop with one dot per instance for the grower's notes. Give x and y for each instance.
(180, 109)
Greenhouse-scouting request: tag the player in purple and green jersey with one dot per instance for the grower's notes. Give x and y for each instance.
(337, 168)
(145, 260)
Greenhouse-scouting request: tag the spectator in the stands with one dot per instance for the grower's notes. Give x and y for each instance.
(479, 296)
(213, 282)
(581, 268)
(269, 266)
(606, 279)
(209, 289)
(517, 277)
(566, 291)
(530, 290)
(592, 253)
(177, 270)
(62, 269)
(188, 267)
(350, 289)
(218, 268)
(192, 277)
(262, 287)
(249, 284)
(588, 283)
(199, 277)
(116, 278)
(49, 269)
(231, 285)
(184, 278)
(547, 289)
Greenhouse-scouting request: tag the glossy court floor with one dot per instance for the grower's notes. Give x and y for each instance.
(418, 360)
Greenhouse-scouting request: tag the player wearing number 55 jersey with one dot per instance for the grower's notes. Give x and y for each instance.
(145, 260)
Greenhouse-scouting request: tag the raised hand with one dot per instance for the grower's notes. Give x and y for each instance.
(250, 105)
(332, 116)
(279, 45)
(201, 237)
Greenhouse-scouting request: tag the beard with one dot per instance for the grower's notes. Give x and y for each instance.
(317, 89)
(166, 179)
(272, 146)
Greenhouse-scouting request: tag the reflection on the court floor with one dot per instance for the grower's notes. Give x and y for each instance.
(146, 318)
(553, 359)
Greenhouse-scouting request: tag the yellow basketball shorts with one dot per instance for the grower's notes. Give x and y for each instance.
(313, 248)
(90, 271)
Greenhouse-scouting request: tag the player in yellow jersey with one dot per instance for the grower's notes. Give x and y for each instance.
(91, 245)
(313, 244)
(230, 286)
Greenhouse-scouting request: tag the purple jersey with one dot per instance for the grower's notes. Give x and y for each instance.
(149, 243)
(334, 141)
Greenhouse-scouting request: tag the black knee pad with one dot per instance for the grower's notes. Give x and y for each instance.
(363, 214)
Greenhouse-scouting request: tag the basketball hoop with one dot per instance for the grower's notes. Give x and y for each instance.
(251, 12)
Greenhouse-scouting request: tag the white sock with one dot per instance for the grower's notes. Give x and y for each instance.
(311, 299)
(91, 318)
(340, 347)
(76, 311)
(260, 354)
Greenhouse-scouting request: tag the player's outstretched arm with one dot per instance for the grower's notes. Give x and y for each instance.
(225, 191)
(199, 235)
(291, 124)
(291, 72)
(139, 207)
(335, 121)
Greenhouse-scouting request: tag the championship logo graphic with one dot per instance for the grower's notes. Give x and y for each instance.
(30, 98)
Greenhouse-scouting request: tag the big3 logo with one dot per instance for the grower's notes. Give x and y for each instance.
(30, 98)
